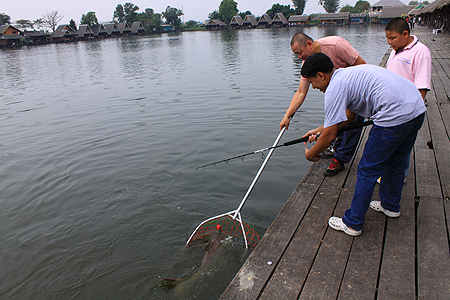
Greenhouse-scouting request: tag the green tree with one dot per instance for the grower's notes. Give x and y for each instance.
(244, 14)
(227, 10)
(119, 14)
(72, 24)
(286, 10)
(4, 19)
(426, 2)
(126, 13)
(348, 8)
(89, 19)
(150, 20)
(23, 24)
(330, 6)
(362, 6)
(299, 6)
(130, 12)
(172, 16)
(413, 2)
(214, 15)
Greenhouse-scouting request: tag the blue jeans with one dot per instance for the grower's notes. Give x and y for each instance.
(344, 152)
(385, 153)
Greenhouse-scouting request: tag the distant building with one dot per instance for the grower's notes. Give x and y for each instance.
(214, 25)
(358, 18)
(378, 7)
(137, 28)
(10, 36)
(249, 22)
(99, 31)
(334, 19)
(85, 32)
(64, 33)
(389, 13)
(167, 28)
(236, 22)
(265, 21)
(279, 20)
(124, 29)
(299, 20)
(36, 37)
(111, 29)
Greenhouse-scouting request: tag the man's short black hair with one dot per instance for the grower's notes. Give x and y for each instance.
(398, 25)
(318, 62)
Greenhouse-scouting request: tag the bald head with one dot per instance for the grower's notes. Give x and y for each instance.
(301, 39)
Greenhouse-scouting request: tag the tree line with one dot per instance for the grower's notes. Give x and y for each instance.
(128, 13)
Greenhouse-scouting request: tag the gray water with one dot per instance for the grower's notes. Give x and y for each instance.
(99, 144)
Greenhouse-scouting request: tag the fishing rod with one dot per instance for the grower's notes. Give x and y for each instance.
(289, 143)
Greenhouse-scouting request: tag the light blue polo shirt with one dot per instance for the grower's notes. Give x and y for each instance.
(371, 92)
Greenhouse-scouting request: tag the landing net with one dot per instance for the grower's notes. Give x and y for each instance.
(235, 228)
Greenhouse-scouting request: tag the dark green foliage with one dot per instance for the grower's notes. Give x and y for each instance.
(360, 7)
(23, 24)
(72, 24)
(330, 6)
(299, 6)
(243, 14)
(172, 16)
(286, 10)
(126, 13)
(150, 20)
(4, 19)
(89, 19)
(227, 10)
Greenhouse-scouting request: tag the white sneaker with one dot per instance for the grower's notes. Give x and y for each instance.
(376, 205)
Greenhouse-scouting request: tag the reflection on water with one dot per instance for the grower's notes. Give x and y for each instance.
(99, 145)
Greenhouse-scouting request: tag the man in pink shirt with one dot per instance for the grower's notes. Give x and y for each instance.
(343, 55)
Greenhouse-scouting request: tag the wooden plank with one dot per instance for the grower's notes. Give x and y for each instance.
(437, 93)
(445, 113)
(289, 276)
(433, 256)
(326, 274)
(397, 274)
(441, 145)
(361, 273)
(443, 77)
(447, 217)
(425, 165)
(256, 270)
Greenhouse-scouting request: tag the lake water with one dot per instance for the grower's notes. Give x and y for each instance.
(99, 144)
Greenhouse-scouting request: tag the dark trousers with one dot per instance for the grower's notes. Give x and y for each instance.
(344, 152)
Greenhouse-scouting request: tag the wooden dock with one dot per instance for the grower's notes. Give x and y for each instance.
(300, 257)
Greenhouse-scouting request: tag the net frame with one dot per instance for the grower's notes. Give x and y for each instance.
(231, 223)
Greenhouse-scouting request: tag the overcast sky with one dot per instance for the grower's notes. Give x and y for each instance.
(193, 9)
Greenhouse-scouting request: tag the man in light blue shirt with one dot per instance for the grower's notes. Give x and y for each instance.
(397, 110)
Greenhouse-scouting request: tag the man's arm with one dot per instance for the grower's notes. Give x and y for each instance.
(296, 102)
(326, 138)
(359, 61)
(423, 92)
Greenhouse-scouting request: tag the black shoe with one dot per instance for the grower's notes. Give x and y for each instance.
(334, 168)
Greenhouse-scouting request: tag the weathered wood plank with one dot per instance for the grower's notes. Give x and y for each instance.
(447, 217)
(361, 273)
(445, 113)
(437, 93)
(325, 277)
(445, 90)
(441, 145)
(253, 275)
(397, 274)
(433, 254)
(288, 278)
(425, 165)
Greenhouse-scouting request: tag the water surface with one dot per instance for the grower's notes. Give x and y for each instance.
(99, 144)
